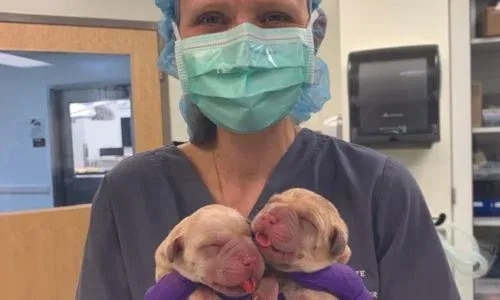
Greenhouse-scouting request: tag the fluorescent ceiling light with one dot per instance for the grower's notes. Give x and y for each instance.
(20, 62)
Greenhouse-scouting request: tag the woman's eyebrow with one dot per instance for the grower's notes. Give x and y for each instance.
(268, 5)
(195, 7)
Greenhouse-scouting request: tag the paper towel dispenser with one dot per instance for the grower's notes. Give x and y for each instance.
(394, 96)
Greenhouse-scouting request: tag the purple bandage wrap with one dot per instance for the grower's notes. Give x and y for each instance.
(171, 286)
(338, 279)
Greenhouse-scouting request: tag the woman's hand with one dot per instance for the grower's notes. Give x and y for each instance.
(338, 279)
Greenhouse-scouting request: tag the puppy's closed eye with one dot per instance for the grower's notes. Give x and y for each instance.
(304, 221)
(212, 250)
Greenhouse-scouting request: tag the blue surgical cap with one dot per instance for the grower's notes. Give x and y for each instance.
(201, 130)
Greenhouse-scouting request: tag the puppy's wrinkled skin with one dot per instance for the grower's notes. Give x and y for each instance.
(301, 231)
(213, 246)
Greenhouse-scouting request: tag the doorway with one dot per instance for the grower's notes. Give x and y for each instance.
(92, 133)
(39, 170)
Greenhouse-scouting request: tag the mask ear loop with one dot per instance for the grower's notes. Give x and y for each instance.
(310, 38)
(314, 17)
(176, 31)
(181, 70)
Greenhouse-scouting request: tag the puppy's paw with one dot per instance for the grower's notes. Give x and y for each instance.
(268, 289)
(204, 293)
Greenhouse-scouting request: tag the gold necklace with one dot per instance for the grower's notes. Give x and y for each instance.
(217, 172)
(296, 130)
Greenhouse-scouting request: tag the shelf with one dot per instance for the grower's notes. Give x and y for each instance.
(487, 221)
(485, 130)
(495, 177)
(486, 44)
(486, 41)
(486, 135)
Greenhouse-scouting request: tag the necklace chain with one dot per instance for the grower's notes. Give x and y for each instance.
(217, 171)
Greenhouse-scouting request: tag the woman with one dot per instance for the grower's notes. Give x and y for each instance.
(246, 69)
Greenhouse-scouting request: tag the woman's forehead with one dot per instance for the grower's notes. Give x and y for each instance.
(200, 4)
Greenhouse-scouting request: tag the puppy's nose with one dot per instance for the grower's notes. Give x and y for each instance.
(247, 260)
(268, 218)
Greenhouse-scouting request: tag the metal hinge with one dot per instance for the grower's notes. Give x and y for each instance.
(453, 197)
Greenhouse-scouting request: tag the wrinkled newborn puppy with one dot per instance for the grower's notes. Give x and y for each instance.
(300, 231)
(214, 247)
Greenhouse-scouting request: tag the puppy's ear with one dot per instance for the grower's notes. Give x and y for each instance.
(338, 245)
(174, 249)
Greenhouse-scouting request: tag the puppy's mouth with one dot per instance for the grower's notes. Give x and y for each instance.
(246, 287)
(264, 242)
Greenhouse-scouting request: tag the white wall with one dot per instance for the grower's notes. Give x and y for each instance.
(25, 95)
(178, 128)
(387, 23)
(107, 9)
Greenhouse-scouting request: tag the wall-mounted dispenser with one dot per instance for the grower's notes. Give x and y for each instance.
(394, 96)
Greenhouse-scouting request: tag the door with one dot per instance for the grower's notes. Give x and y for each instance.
(57, 275)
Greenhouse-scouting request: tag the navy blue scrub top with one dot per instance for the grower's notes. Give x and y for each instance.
(395, 247)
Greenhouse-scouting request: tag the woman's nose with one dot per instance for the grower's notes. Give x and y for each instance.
(244, 16)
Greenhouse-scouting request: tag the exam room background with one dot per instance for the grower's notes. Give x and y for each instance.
(353, 25)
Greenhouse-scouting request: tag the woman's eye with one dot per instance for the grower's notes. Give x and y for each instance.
(274, 18)
(210, 18)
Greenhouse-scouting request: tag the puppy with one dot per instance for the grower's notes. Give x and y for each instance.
(300, 231)
(214, 247)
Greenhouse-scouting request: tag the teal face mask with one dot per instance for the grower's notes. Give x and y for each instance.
(247, 78)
